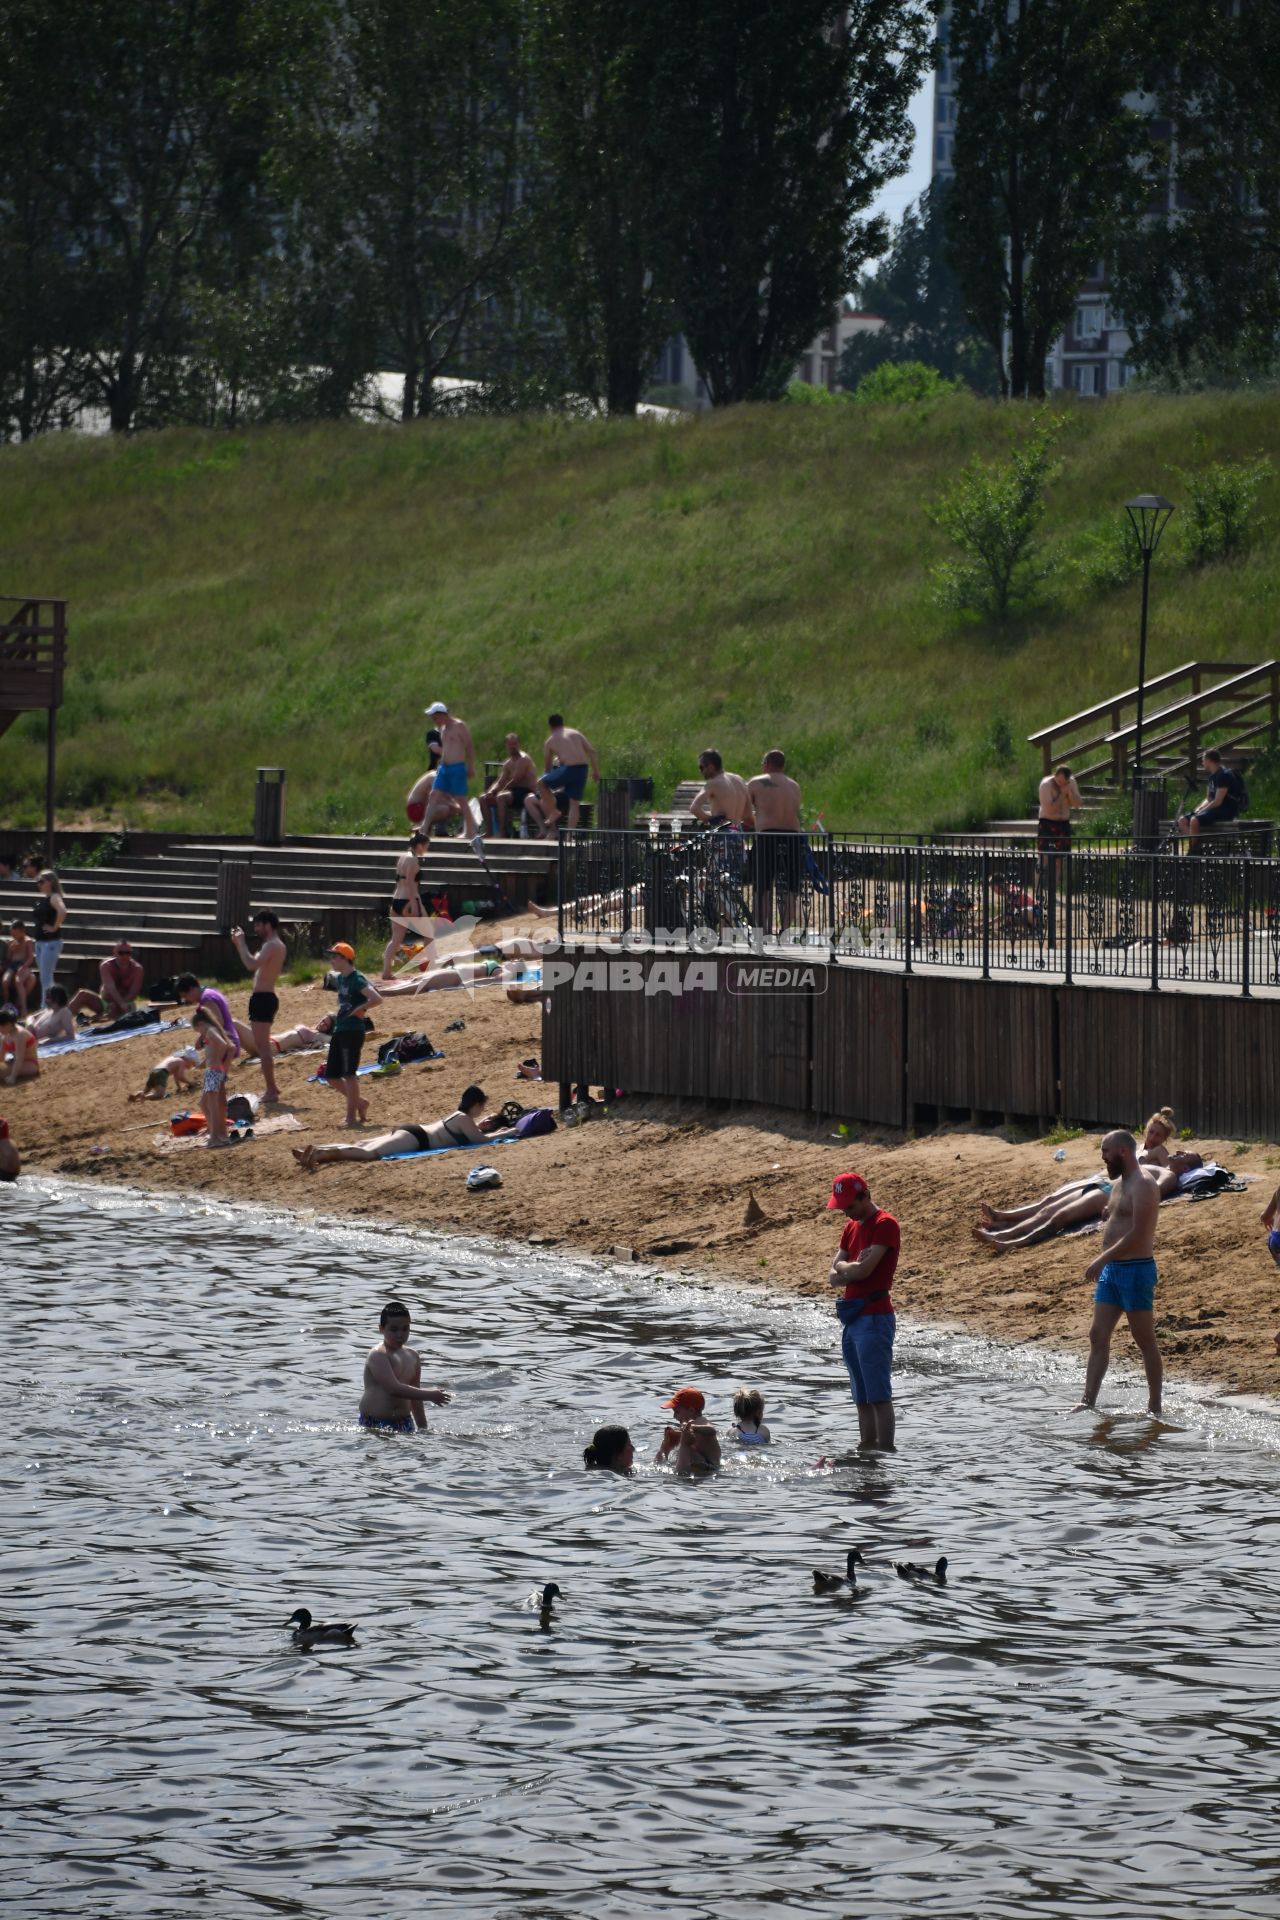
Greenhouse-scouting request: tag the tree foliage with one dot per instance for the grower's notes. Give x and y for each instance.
(991, 513)
(1048, 164)
(915, 292)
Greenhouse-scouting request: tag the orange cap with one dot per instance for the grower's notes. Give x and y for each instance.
(687, 1396)
(347, 952)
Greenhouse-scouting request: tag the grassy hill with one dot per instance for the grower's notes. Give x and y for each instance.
(756, 578)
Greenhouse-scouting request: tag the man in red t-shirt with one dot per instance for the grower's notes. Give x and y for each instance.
(863, 1270)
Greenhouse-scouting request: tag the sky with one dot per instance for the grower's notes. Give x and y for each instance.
(899, 193)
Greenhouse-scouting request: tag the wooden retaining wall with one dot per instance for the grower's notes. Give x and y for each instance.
(895, 1050)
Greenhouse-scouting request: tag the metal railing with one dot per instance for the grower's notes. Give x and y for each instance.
(1155, 919)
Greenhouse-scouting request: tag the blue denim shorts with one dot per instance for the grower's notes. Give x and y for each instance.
(867, 1345)
(1129, 1284)
(1273, 1244)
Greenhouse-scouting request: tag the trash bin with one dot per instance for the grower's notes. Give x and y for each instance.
(233, 894)
(613, 803)
(268, 807)
(1150, 811)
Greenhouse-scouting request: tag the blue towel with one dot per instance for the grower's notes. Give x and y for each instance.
(314, 1079)
(460, 1146)
(83, 1041)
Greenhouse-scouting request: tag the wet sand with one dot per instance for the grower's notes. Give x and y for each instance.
(670, 1184)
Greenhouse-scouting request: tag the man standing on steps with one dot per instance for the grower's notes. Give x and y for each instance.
(1125, 1270)
(457, 766)
(863, 1271)
(1059, 798)
(264, 1002)
(566, 755)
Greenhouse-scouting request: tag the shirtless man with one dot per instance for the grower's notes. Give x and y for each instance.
(1125, 1270)
(457, 766)
(566, 755)
(264, 1002)
(406, 903)
(394, 1397)
(781, 842)
(725, 800)
(120, 977)
(517, 778)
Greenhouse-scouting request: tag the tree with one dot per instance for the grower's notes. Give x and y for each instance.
(1199, 280)
(1048, 164)
(991, 512)
(602, 79)
(790, 116)
(916, 294)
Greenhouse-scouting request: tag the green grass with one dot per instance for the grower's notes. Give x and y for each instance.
(295, 597)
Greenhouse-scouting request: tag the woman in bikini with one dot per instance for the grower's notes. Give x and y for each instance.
(1076, 1201)
(461, 1128)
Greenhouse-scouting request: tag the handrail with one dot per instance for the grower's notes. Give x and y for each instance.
(1194, 700)
(1152, 685)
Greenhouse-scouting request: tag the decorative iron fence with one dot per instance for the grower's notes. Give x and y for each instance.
(1210, 919)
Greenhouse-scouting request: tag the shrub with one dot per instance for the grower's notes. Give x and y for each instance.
(991, 513)
(903, 383)
(1109, 555)
(1217, 520)
(800, 394)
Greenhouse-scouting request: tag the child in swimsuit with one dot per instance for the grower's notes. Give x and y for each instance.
(748, 1415)
(218, 1054)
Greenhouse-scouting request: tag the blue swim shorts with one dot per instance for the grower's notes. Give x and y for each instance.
(867, 1345)
(569, 781)
(451, 777)
(402, 1425)
(1273, 1244)
(1130, 1284)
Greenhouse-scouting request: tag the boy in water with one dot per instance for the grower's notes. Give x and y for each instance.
(692, 1445)
(393, 1397)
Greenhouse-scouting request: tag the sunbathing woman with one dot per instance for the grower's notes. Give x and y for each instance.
(505, 960)
(1073, 1205)
(1094, 1188)
(461, 1128)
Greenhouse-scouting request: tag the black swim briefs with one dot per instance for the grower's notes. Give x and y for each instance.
(421, 1138)
(1054, 835)
(263, 1006)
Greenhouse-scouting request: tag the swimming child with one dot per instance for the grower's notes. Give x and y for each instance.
(692, 1445)
(748, 1413)
(219, 1051)
(393, 1397)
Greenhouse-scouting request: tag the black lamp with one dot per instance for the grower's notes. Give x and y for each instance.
(1149, 515)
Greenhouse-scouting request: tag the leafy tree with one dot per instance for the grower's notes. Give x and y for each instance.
(602, 79)
(1217, 521)
(790, 116)
(903, 383)
(917, 295)
(991, 513)
(1047, 164)
(1199, 283)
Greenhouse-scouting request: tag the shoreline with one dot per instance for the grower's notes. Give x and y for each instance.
(666, 1187)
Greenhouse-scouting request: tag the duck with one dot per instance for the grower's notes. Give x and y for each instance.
(908, 1570)
(320, 1633)
(542, 1601)
(832, 1582)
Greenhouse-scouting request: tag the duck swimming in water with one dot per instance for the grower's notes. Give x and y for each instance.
(320, 1633)
(908, 1570)
(542, 1601)
(832, 1582)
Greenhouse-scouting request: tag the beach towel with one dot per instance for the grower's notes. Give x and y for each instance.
(275, 1123)
(460, 1146)
(83, 1041)
(318, 1079)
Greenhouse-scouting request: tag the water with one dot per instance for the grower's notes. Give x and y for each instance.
(1083, 1723)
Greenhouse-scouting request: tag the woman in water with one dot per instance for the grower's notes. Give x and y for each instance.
(610, 1449)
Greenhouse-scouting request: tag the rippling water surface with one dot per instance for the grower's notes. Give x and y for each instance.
(1083, 1723)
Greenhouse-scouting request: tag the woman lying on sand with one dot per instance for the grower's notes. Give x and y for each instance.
(464, 1127)
(504, 960)
(1078, 1201)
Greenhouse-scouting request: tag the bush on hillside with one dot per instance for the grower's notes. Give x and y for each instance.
(903, 383)
(800, 394)
(991, 513)
(1109, 555)
(1218, 517)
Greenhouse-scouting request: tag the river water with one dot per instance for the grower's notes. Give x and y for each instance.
(1083, 1723)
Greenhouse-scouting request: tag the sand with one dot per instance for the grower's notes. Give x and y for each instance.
(670, 1185)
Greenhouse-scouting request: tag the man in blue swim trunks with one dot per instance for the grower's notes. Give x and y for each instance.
(1125, 1270)
(394, 1398)
(457, 766)
(566, 756)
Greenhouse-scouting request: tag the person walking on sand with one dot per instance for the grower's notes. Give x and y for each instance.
(781, 845)
(219, 1051)
(394, 1397)
(457, 766)
(264, 1001)
(355, 998)
(863, 1271)
(566, 756)
(406, 903)
(1125, 1270)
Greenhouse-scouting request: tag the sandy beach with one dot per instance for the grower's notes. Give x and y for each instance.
(670, 1185)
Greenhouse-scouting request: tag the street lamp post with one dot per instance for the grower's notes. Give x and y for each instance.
(1149, 515)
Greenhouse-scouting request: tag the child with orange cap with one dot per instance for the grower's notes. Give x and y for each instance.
(692, 1445)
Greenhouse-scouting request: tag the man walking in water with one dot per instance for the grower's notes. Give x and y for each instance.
(566, 755)
(863, 1270)
(264, 1002)
(457, 766)
(1125, 1270)
(782, 845)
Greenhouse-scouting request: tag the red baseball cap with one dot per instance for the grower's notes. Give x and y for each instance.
(687, 1397)
(844, 1188)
